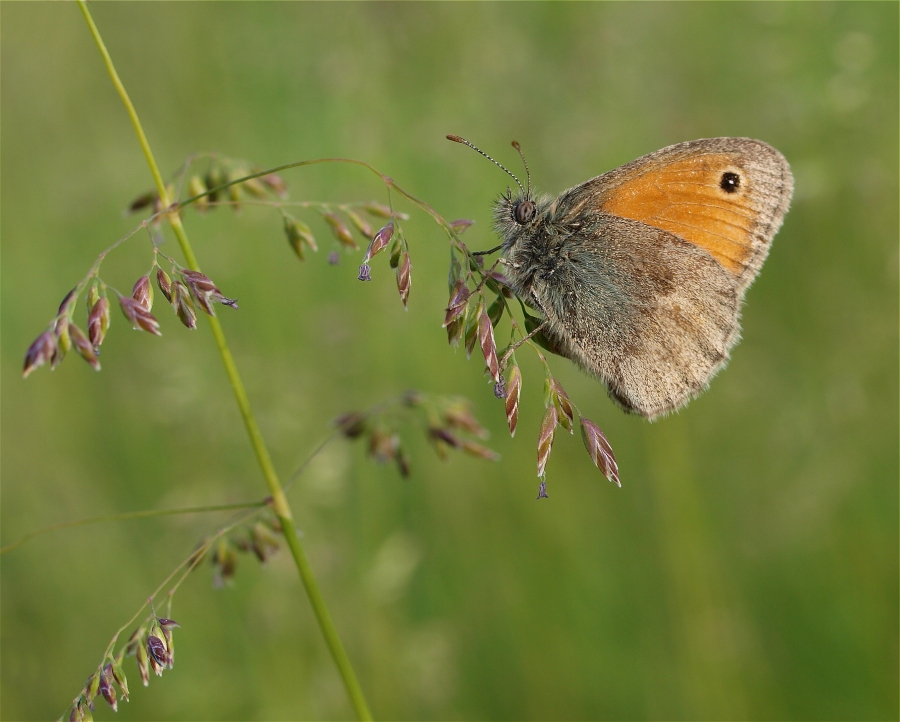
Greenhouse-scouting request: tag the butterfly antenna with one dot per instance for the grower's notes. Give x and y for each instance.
(457, 139)
(515, 144)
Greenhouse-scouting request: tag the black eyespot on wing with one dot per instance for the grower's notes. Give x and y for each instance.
(524, 212)
(730, 182)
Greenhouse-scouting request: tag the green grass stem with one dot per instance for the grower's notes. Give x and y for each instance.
(279, 501)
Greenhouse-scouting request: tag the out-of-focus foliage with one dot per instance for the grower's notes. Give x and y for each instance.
(747, 568)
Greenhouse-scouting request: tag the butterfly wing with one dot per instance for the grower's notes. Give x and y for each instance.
(726, 196)
(643, 269)
(653, 316)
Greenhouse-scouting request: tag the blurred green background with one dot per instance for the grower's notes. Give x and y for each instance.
(748, 566)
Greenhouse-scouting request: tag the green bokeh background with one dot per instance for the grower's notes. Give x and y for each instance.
(748, 567)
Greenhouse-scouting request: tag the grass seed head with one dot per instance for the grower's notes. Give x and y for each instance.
(84, 346)
(106, 688)
(164, 283)
(119, 677)
(599, 450)
(403, 464)
(39, 353)
(224, 559)
(156, 648)
(63, 340)
(143, 292)
(404, 280)
(513, 390)
(91, 688)
(458, 415)
(379, 241)
(352, 425)
(361, 224)
(68, 303)
(456, 306)
(456, 328)
(383, 446)
(196, 187)
(143, 660)
(264, 542)
(299, 236)
(461, 224)
(98, 321)
(340, 231)
(488, 347)
(563, 404)
(139, 316)
(184, 306)
(235, 191)
(545, 439)
(143, 201)
(255, 187)
(205, 292)
(213, 179)
(472, 324)
(378, 210)
(276, 184)
(473, 448)
(495, 310)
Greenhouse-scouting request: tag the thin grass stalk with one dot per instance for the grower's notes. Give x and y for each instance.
(128, 515)
(279, 501)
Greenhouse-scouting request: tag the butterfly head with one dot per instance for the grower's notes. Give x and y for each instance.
(512, 214)
(515, 216)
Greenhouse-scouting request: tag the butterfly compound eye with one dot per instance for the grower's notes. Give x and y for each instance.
(523, 212)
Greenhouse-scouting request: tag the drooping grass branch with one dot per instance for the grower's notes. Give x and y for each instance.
(125, 516)
(448, 424)
(152, 650)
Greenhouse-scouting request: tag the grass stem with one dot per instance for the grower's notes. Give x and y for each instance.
(279, 501)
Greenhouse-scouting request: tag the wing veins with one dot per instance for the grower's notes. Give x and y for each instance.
(726, 223)
(739, 261)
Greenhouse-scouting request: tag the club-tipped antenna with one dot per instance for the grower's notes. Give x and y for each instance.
(515, 144)
(457, 139)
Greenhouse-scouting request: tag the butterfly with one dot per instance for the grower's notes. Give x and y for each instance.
(641, 272)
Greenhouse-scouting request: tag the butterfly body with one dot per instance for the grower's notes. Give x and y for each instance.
(641, 272)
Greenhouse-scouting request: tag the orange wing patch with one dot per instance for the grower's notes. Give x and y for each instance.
(687, 198)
